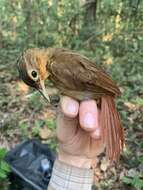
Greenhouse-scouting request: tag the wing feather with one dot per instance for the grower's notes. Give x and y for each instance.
(73, 71)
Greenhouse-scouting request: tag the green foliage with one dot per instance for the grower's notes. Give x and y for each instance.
(54, 23)
(37, 126)
(52, 143)
(24, 129)
(138, 101)
(136, 181)
(4, 167)
(113, 40)
(51, 123)
(33, 101)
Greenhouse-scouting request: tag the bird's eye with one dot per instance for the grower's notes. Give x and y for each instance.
(34, 74)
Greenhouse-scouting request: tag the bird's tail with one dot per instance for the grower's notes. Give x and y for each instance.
(113, 134)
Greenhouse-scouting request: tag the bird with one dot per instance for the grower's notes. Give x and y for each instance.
(76, 76)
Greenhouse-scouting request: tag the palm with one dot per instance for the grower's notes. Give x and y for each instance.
(76, 141)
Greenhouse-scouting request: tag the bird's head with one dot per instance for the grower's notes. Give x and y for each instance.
(32, 69)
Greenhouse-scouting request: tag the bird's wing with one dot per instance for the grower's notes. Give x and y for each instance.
(76, 72)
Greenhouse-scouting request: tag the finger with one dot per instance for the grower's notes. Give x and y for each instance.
(66, 127)
(66, 118)
(96, 134)
(70, 107)
(88, 115)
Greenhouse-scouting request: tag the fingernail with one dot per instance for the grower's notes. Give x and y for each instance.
(71, 108)
(89, 121)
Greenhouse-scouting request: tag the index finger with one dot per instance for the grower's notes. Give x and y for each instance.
(69, 106)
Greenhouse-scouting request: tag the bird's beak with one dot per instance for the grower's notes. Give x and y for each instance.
(42, 90)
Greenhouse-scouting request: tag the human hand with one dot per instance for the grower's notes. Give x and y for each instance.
(79, 132)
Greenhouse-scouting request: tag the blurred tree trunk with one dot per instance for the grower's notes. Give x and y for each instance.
(90, 7)
(1, 37)
(134, 5)
(90, 12)
(27, 7)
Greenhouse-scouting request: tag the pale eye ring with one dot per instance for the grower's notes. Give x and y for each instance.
(34, 74)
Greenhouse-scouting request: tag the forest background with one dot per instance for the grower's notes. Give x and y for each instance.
(109, 32)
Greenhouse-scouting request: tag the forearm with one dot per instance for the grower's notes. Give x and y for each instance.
(67, 177)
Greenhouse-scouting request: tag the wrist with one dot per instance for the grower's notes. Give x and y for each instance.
(77, 161)
(65, 176)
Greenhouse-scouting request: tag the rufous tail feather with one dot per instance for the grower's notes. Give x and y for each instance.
(113, 134)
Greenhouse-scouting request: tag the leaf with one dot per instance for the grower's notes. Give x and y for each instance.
(4, 166)
(45, 132)
(104, 164)
(2, 175)
(51, 124)
(3, 152)
(137, 182)
(132, 172)
(127, 180)
(138, 101)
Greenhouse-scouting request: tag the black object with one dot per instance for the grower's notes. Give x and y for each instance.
(31, 164)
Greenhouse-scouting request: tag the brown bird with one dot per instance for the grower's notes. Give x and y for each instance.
(78, 77)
